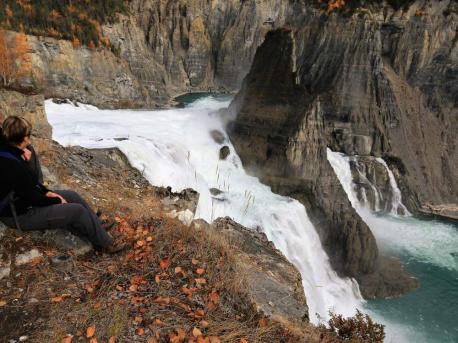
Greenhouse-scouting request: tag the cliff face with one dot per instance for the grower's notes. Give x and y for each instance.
(387, 85)
(192, 45)
(374, 83)
(95, 77)
(165, 48)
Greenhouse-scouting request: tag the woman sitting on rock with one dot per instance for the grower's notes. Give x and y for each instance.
(26, 203)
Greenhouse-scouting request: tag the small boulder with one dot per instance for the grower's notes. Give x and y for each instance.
(64, 240)
(187, 199)
(215, 191)
(5, 271)
(186, 216)
(224, 152)
(217, 136)
(27, 257)
(60, 101)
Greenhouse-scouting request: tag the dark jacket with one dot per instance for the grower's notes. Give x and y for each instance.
(16, 175)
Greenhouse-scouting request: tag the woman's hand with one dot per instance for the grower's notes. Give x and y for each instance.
(55, 195)
(27, 155)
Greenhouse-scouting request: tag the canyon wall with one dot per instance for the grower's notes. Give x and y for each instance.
(80, 74)
(373, 82)
(387, 84)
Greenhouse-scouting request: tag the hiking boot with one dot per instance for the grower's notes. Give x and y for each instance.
(114, 248)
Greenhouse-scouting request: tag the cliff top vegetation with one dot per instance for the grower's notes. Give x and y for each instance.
(15, 61)
(80, 20)
(348, 5)
(75, 20)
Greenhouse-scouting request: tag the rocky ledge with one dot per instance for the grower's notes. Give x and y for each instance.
(445, 211)
(274, 285)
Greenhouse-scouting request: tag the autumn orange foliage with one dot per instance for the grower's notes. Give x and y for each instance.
(334, 5)
(15, 60)
(76, 42)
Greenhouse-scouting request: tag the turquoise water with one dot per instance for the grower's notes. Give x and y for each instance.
(187, 99)
(429, 250)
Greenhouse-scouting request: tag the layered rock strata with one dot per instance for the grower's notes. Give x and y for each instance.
(387, 85)
(95, 77)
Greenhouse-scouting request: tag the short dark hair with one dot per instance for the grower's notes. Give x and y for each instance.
(15, 129)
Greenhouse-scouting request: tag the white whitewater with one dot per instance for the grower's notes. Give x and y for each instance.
(377, 195)
(396, 201)
(174, 148)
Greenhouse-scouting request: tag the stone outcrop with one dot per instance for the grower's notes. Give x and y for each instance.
(95, 77)
(445, 211)
(278, 134)
(272, 285)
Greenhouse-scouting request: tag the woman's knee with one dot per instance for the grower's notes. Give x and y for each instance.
(75, 212)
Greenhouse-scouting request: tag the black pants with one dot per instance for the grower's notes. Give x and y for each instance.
(76, 217)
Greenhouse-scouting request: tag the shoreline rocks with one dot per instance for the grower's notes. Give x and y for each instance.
(443, 211)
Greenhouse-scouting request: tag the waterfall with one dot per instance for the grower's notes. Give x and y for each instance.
(396, 199)
(342, 166)
(174, 148)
